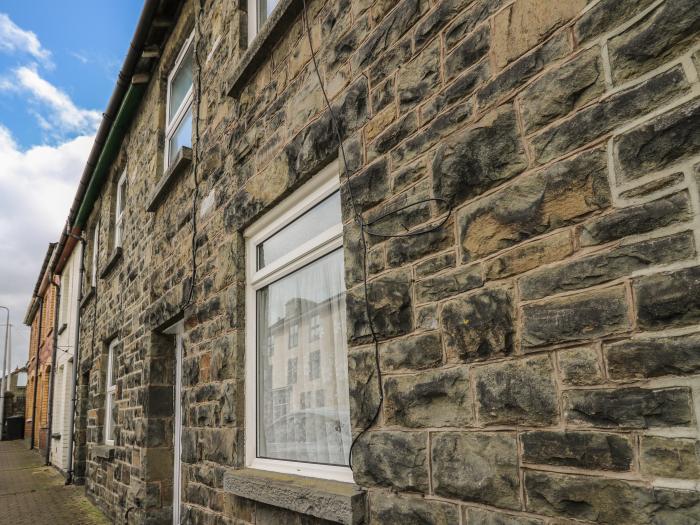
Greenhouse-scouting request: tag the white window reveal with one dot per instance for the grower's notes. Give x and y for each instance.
(299, 423)
(178, 122)
(258, 13)
(119, 211)
(111, 393)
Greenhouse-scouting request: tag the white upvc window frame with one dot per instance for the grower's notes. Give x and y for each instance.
(171, 124)
(319, 188)
(119, 211)
(110, 392)
(255, 23)
(95, 248)
(65, 296)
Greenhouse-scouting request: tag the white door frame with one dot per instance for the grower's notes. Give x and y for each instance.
(177, 330)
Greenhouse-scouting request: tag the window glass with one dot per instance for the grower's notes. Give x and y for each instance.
(314, 222)
(181, 137)
(297, 429)
(180, 84)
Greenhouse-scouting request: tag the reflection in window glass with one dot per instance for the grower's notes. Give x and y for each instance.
(181, 137)
(305, 431)
(180, 84)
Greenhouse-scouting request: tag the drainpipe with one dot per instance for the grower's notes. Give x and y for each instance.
(57, 308)
(76, 362)
(36, 369)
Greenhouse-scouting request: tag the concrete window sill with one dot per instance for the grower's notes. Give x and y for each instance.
(104, 452)
(112, 263)
(329, 500)
(63, 328)
(259, 50)
(86, 298)
(181, 162)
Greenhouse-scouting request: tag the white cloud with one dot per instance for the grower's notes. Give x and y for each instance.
(15, 39)
(36, 190)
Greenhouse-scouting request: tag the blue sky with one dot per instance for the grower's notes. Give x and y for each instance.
(58, 64)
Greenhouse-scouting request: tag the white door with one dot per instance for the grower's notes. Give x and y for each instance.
(177, 331)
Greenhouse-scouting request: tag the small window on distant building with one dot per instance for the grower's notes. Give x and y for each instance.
(315, 365)
(292, 371)
(119, 211)
(294, 335)
(111, 394)
(315, 328)
(178, 121)
(258, 13)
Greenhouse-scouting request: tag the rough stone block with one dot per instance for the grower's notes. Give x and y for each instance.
(391, 509)
(638, 219)
(606, 15)
(468, 52)
(603, 267)
(666, 299)
(417, 79)
(524, 24)
(586, 450)
(583, 316)
(392, 135)
(670, 457)
(654, 186)
(429, 26)
(392, 459)
(368, 188)
(435, 264)
(363, 386)
(519, 392)
(535, 204)
(464, 23)
(479, 326)
(478, 516)
(448, 284)
(660, 143)
(479, 158)
(663, 34)
(653, 357)
(629, 407)
(401, 250)
(476, 466)
(601, 118)
(562, 90)
(608, 501)
(457, 91)
(528, 256)
(437, 398)
(580, 366)
(413, 353)
(427, 317)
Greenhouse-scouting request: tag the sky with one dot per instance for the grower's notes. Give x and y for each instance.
(59, 61)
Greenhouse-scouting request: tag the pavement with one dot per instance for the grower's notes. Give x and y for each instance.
(33, 494)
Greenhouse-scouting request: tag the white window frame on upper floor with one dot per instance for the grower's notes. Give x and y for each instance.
(95, 247)
(110, 392)
(172, 124)
(119, 211)
(255, 23)
(323, 185)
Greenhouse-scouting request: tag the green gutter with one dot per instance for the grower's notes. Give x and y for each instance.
(110, 150)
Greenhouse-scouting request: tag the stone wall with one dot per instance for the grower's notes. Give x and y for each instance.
(538, 351)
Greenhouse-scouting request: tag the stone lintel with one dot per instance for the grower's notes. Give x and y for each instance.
(329, 500)
(181, 162)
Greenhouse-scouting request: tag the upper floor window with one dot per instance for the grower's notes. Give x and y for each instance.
(178, 120)
(93, 262)
(65, 296)
(315, 328)
(295, 270)
(258, 12)
(119, 210)
(293, 335)
(111, 393)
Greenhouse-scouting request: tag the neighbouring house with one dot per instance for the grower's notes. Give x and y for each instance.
(484, 308)
(40, 317)
(15, 393)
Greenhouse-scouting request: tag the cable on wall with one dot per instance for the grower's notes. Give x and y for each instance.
(365, 229)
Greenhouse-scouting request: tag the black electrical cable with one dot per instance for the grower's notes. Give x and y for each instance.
(364, 231)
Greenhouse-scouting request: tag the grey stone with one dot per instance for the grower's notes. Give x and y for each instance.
(653, 357)
(648, 188)
(437, 398)
(523, 69)
(363, 386)
(574, 318)
(392, 459)
(429, 26)
(417, 79)
(608, 501)
(638, 219)
(479, 158)
(367, 189)
(465, 22)
(468, 52)
(328, 500)
(586, 450)
(562, 90)
(580, 366)
(448, 284)
(391, 509)
(664, 33)
(407, 175)
(427, 317)
(392, 135)
(629, 407)
(435, 264)
(415, 352)
(476, 466)
(401, 250)
(461, 88)
(479, 326)
(390, 61)
(602, 117)
(382, 96)
(670, 457)
(606, 15)
(660, 143)
(479, 516)
(530, 255)
(535, 204)
(603, 267)
(671, 298)
(519, 392)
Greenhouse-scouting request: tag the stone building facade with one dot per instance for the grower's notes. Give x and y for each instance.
(537, 335)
